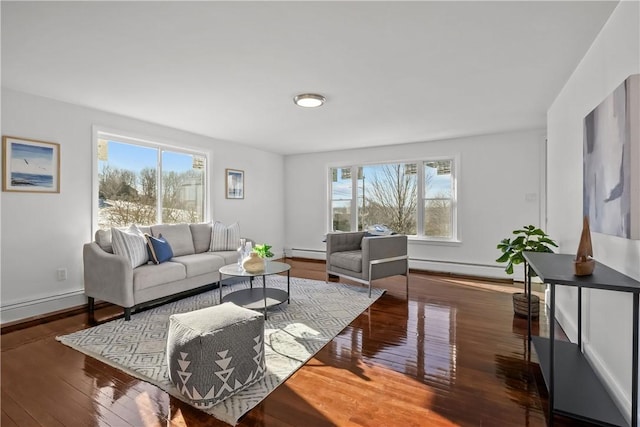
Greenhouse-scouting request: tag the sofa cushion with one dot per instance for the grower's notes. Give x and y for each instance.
(225, 238)
(178, 236)
(201, 236)
(198, 264)
(131, 244)
(349, 260)
(147, 276)
(230, 257)
(159, 249)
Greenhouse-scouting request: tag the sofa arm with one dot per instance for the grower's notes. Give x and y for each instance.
(107, 277)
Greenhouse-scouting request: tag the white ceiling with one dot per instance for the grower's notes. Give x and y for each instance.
(392, 72)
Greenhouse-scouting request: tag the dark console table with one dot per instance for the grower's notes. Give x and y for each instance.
(575, 390)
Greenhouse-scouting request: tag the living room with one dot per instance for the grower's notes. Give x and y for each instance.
(522, 171)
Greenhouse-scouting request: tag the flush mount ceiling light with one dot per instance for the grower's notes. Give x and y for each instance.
(309, 100)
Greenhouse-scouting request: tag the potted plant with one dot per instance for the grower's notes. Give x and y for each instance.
(528, 238)
(263, 251)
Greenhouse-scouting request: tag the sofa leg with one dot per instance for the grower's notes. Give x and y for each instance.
(127, 313)
(91, 302)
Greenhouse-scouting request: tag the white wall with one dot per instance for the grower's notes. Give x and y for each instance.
(614, 55)
(43, 232)
(496, 173)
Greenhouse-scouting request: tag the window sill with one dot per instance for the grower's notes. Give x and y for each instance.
(437, 242)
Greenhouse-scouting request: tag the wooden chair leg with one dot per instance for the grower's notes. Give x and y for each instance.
(127, 313)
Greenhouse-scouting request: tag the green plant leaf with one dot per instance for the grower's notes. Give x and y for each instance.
(263, 250)
(548, 241)
(503, 258)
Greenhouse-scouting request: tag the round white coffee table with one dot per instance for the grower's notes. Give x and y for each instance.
(256, 298)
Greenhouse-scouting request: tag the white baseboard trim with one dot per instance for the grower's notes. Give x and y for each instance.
(14, 311)
(306, 253)
(621, 397)
(566, 321)
(456, 267)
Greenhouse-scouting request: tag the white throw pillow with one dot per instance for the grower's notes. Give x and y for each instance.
(131, 244)
(225, 238)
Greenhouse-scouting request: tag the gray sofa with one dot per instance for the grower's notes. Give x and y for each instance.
(363, 258)
(110, 277)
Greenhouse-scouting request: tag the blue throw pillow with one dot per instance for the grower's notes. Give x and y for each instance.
(159, 249)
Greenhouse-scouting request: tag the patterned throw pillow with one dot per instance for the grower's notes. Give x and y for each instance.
(131, 244)
(225, 238)
(159, 249)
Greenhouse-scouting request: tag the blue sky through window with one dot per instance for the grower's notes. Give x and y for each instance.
(136, 157)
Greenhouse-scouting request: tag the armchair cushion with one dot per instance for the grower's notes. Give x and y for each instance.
(349, 260)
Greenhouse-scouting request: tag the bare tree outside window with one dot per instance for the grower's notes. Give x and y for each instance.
(341, 194)
(131, 196)
(389, 197)
(437, 200)
(120, 202)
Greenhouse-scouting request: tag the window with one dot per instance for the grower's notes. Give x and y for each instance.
(387, 195)
(413, 198)
(341, 196)
(438, 199)
(140, 182)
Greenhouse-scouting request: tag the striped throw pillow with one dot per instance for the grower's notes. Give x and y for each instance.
(225, 238)
(131, 244)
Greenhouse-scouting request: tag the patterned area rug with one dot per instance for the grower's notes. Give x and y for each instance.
(293, 334)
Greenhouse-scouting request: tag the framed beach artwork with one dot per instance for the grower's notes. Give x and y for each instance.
(234, 184)
(30, 166)
(611, 188)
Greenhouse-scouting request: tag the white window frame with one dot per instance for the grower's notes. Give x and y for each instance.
(99, 132)
(419, 236)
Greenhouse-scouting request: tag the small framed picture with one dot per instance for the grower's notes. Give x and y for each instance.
(234, 184)
(30, 166)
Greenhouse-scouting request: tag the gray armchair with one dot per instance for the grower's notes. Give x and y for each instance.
(364, 259)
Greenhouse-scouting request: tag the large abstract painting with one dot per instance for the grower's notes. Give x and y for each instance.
(611, 187)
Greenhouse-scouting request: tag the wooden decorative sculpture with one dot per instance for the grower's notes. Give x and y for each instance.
(584, 262)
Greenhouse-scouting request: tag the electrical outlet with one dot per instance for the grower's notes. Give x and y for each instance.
(62, 274)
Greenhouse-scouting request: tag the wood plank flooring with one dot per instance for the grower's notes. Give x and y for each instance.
(451, 354)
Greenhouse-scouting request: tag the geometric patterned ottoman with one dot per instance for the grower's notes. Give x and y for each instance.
(215, 352)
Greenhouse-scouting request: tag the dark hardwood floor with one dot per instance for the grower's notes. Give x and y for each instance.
(450, 354)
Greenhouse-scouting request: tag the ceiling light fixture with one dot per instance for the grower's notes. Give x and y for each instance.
(308, 100)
